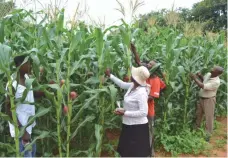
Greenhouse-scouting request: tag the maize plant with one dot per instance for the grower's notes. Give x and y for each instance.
(181, 56)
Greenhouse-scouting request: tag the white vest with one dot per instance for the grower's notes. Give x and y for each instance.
(24, 111)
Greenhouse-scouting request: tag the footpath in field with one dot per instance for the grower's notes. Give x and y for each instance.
(217, 147)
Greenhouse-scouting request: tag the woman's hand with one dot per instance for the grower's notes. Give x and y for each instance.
(119, 111)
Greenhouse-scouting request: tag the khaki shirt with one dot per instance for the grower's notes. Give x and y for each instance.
(211, 86)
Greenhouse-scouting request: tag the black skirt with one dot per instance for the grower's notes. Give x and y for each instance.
(134, 141)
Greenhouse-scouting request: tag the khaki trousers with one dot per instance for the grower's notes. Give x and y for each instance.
(206, 106)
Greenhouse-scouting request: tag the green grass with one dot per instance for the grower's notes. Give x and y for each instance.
(220, 143)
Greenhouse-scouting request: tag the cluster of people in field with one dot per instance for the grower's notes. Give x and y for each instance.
(138, 112)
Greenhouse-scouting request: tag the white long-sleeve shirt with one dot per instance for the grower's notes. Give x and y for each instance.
(135, 102)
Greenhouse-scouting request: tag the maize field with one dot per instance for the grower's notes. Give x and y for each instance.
(79, 55)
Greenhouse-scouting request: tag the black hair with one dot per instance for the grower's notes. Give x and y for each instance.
(18, 60)
(145, 61)
(219, 69)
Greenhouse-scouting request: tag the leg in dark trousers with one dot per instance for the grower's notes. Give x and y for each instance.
(151, 138)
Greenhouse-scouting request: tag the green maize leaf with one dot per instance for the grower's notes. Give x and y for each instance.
(154, 68)
(109, 147)
(60, 21)
(46, 38)
(88, 153)
(110, 28)
(81, 124)
(28, 85)
(97, 91)
(35, 59)
(76, 117)
(54, 86)
(10, 148)
(63, 53)
(98, 135)
(92, 80)
(2, 89)
(76, 39)
(43, 20)
(88, 102)
(41, 112)
(2, 26)
(99, 42)
(109, 123)
(135, 32)
(75, 66)
(76, 85)
(25, 32)
(169, 44)
(170, 105)
(113, 93)
(55, 44)
(5, 54)
(29, 14)
(181, 70)
(78, 152)
(44, 134)
(125, 35)
(177, 41)
(6, 117)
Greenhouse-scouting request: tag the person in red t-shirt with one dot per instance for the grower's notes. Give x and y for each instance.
(156, 86)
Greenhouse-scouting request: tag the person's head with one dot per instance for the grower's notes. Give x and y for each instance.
(139, 75)
(26, 67)
(151, 64)
(216, 71)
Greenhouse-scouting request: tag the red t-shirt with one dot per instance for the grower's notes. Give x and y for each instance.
(156, 86)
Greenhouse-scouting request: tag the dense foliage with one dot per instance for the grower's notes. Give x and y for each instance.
(210, 14)
(80, 55)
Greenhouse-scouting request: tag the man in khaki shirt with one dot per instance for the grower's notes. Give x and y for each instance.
(209, 85)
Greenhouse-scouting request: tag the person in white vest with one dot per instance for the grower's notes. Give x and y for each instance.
(26, 109)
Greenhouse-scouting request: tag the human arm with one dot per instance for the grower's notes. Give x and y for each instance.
(162, 85)
(155, 87)
(197, 81)
(200, 76)
(136, 55)
(209, 86)
(120, 83)
(117, 81)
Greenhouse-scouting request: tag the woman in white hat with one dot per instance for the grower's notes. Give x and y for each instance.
(134, 138)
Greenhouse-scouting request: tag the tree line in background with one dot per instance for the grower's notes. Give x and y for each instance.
(209, 15)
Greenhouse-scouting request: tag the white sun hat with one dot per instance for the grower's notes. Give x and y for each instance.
(140, 74)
